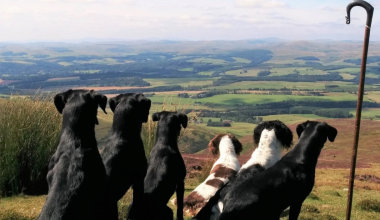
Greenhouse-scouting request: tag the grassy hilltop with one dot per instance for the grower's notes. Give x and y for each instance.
(226, 87)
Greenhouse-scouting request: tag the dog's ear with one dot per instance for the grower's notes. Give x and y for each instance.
(284, 134)
(113, 102)
(237, 145)
(101, 100)
(213, 145)
(331, 133)
(183, 119)
(300, 128)
(156, 116)
(257, 133)
(145, 104)
(60, 100)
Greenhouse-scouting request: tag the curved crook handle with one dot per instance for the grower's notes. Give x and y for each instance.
(368, 7)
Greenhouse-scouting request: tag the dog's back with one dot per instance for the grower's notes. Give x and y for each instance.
(221, 172)
(166, 169)
(76, 174)
(123, 154)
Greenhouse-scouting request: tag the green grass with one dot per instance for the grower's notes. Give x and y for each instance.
(235, 100)
(368, 113)
(240, 72)
(292, 119)
(282, 84)
(186, 69)
(206, 73)
(352, 70)
(208, 60)
(239, 129)
(180, 81)
(241, 60)
(301, 70)
(327, 200)
(250, 99)
(347, 76)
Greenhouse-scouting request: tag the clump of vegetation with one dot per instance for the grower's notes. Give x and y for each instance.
(148, 135)
(369, 205)
(310, 208)
(313, 196)
(14, 216)
(334, 193)
(29, 135)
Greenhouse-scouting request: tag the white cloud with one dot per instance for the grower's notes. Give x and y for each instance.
(260, 4)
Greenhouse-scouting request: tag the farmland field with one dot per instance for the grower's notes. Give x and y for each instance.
(210, 81)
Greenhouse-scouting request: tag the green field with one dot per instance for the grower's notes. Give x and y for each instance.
(208, 60)
(241, 72)
(251, 99)
(239, 129)
(180, 81)
(282, 84)
(292, 70)
(241, 60)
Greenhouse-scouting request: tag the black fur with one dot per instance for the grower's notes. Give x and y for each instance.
(286, 184)
(76, 174)
(166, 170)
(283, 133)
(123, 154)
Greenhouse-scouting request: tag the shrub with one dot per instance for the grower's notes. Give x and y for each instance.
(29, 135)
(369, 205)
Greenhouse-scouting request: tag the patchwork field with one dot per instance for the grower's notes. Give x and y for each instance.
(312, 71)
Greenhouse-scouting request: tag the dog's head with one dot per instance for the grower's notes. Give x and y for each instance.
(136, 103)
(282, 132)
(80, 103)
(213, 145)
(319, 130)
(170, 121)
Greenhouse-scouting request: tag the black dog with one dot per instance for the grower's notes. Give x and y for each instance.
(123, 154)
(271, 139)
(286, 184)
(76, 172)
(166, 170)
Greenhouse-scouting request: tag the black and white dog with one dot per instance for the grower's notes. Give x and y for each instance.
(285, 184)
(123, 154)
(166, 169)
(271, 139)
(76, 175)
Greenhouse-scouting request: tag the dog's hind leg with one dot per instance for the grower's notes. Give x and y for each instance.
(136, 207)
(180, 191)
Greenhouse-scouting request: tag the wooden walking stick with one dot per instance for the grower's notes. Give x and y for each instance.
(369, 10)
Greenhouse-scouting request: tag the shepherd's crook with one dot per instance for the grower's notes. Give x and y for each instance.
(369, 10)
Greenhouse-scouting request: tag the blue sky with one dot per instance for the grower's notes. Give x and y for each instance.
(64, 20)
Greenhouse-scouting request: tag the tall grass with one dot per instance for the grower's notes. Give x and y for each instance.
(29, 135)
